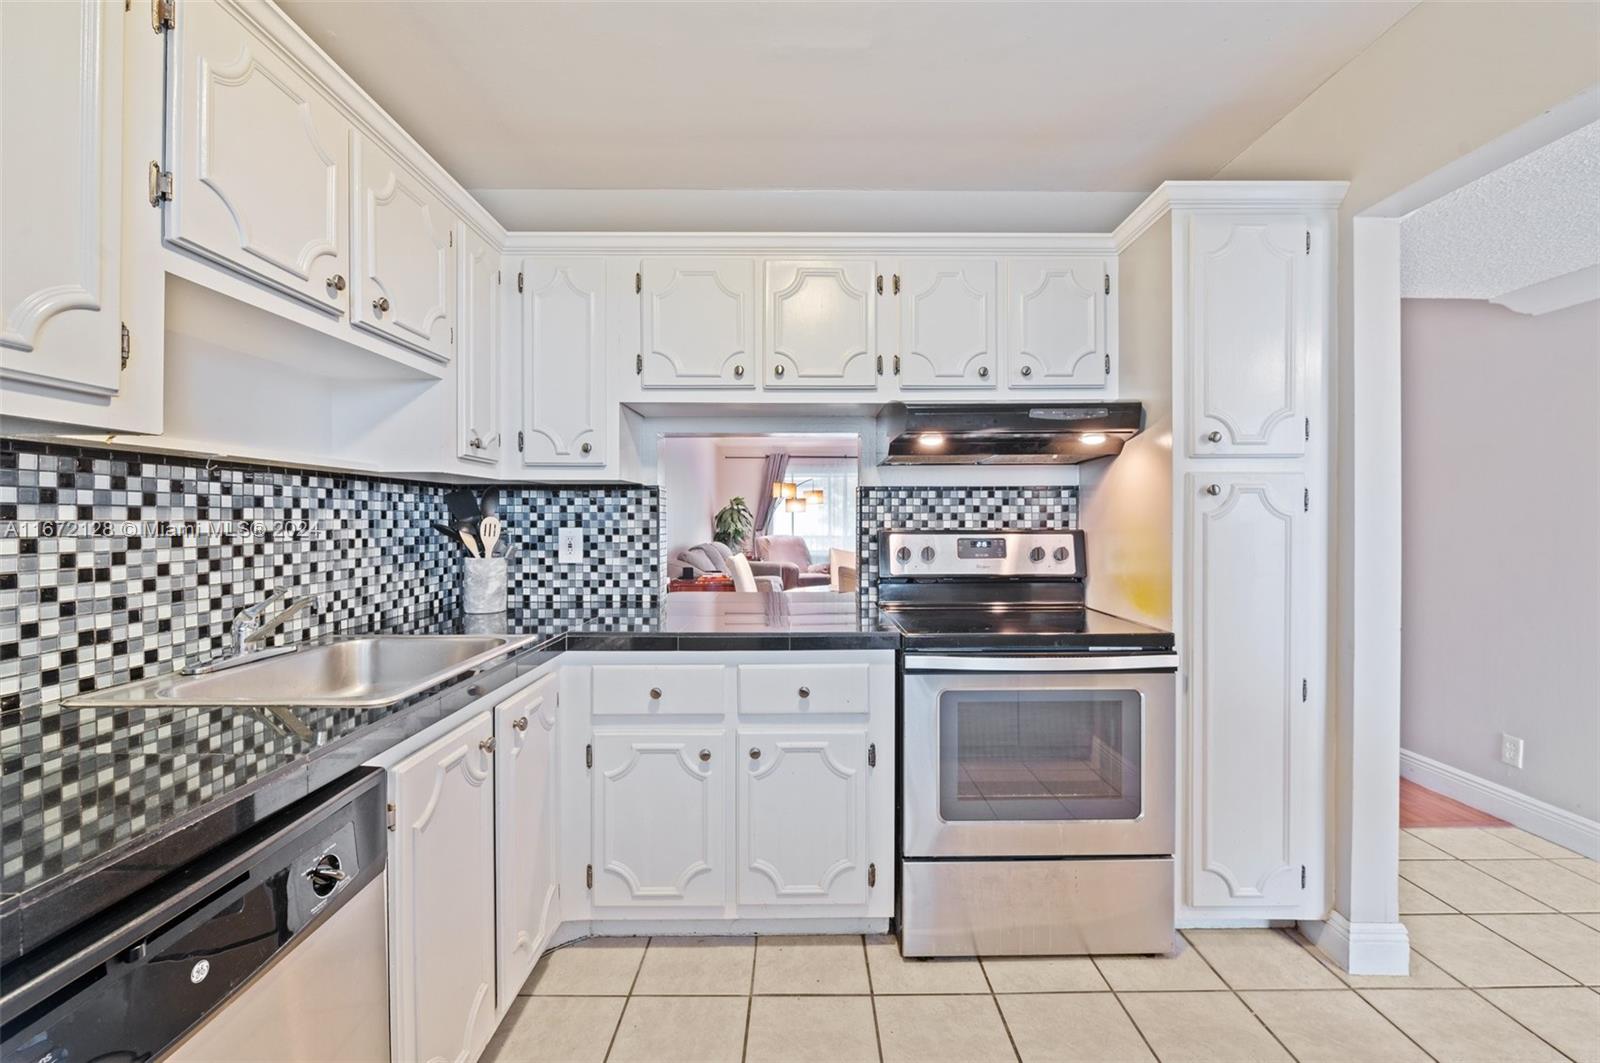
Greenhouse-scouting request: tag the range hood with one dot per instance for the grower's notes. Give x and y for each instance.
(1005, 433)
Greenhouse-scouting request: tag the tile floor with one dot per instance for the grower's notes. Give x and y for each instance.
(1505, 934)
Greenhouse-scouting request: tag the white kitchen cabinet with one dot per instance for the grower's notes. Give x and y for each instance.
(1255, 330)
(441, 875)
(563, 361)
(821, 324)
(802, 816)
(527, 895)
(259, 159)
(1056, 323)
(697, 323)
(1256, 715)
(948, 323)
(660, 798)
(403, 257)
(478, 352)
(61, 213)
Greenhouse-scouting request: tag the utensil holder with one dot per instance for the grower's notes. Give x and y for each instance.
(483, 585)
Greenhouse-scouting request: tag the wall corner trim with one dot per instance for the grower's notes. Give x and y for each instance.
(1361, 948)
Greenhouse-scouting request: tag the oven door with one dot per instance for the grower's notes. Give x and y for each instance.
(1017, 760)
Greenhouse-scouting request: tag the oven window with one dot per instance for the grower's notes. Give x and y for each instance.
(1039, 755)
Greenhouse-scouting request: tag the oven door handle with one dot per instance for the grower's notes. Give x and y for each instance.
(1144, 662)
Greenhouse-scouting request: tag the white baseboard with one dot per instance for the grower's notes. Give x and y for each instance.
(1361, 948)
(1553, 824)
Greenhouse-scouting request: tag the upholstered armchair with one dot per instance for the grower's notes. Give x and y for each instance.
(792, 550)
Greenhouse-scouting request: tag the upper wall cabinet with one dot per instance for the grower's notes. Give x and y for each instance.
(821, 324)
(948, 323)
(563, 361)
(697, 323)
(478, 361)
(403, 258)
(61, 215)
(259, 160)
(1056, 323)
(1255, 333)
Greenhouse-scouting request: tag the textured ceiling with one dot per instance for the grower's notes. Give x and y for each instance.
(1527, 222)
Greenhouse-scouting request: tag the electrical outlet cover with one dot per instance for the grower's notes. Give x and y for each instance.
(569, 550)
(1511, 750)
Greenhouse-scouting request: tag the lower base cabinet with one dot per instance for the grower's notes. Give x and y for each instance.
(526, 887)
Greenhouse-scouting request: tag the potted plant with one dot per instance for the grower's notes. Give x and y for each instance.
(733, 523)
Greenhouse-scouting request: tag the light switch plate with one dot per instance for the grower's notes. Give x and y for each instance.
(569, 549)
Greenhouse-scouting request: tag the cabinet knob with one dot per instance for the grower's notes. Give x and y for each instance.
(1213, 436)
(336, 282)
(520, 723)
(738, 371)
(1027, 370)
(487, 745)
(380, 305)
(983, 370)
(587, 448)
(705, 754)
(777, 370)
(805, 692)
(655, 693)
(755, 752)
(1213, 489)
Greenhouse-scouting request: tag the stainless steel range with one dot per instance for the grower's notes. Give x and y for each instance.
(1037, 752)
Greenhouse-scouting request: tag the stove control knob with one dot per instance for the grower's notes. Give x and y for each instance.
(1062, 553)
(1036, 554)
(903, 554)
(927, 553)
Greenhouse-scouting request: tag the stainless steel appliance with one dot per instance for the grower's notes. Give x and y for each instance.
(1037, 761)
(1033, 433)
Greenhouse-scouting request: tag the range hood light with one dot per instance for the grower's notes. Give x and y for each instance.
(1012, 433)
(931, 440)
(1092, 439)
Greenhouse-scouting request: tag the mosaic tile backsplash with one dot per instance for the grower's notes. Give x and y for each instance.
(932, 508)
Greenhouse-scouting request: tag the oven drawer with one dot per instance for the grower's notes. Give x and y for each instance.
(804, 689)
(660, 690)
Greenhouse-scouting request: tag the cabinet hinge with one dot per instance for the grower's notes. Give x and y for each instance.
(1108, 284)
(1305, 690)
(450, 238)
(160, 185)
(452, 333)
(588, 756)
(588, 876)
(388, 815)
(897, 365)
(1308, 500)
(1308, 241)
(638, 283)
(872, 755)
(126, 345)
(1108, 365)
(163, 16)
(880, 365)
(519, 439)
(880, 284)
(872, 875)
(1302, 876)
(1308, 429)
(498, 279)
(519, 282)
(638, 364)
(897, 284)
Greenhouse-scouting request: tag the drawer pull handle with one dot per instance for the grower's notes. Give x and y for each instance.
(738, 371)
(755, 752)
(336, 282)
(805, 692)
(705, 754)
(381, 305)
(1213, 489)
(1027, 370)
(487, 745)
(655, 693)
(476, 692)
(1213, 436)
(587, 448)
(520, 723)
(983, 371)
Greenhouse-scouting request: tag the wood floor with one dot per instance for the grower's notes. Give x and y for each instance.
(1422, 807)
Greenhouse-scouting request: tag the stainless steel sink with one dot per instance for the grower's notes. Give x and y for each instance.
(359, 671)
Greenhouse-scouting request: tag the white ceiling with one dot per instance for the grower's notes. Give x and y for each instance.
(1532, 220)
(566, 111)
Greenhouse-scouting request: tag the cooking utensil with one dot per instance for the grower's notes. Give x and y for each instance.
(489, 505)
(463, 506)
(447, 531)
(489, 534)
(469, 543)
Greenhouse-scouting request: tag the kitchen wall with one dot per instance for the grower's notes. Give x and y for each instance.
(1502, 608)
(690, 495)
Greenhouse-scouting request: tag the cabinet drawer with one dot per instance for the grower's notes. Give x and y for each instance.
(660, 690)
(804, 688)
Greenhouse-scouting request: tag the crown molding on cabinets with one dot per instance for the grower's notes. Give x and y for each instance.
(1227, 195)
(717, 243)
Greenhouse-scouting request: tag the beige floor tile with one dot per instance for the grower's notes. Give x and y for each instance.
(1414, 848)
(596, 967)
(1547, 881)
(1468, 843)
(1567, 1018)
(1588, 919)
(1184, 970)
(802, 1029)
(681, 1030)
(924, 1029)
(1531, 842)
(1043, 974)
(565, 1029)
(696, 967)
(1589, 869)
(1056, 1026)
(1458, 1026)
(1476, 955)
(1559, 940)
(1414, 900)
(1424, 974)
(1336, 1027)
(1261, 959)
(1201, 1027)
(892, 973)
(1467, 889)
(828, 964)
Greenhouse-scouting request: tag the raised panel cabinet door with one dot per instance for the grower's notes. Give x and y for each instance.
(60, 194)
(1254, 731)
(260, 161)
(821, 324)
(660, 827)
(403, 256)
(563, 361)
(1254, 333)
(802, 815)
(478, 351)
(697, 323)
(1056, 323)
(948, 323)
(442, 926)
(525, 827)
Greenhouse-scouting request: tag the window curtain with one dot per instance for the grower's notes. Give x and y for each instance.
(776, 466)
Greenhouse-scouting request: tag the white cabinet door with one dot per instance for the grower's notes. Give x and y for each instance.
(1056, 323)
(821, 324)
(1255, 717)
(61, 194)
(802, 815)
(525, 828)
(478, 365)
(1255, 331)
(660, 831)
(697, 323)
(442, 877)
(403, 255)
(259, 160)
(948, 323)
(563, 361)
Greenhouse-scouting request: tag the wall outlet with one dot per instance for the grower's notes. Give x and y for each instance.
(1511, 750)
(569, 549)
